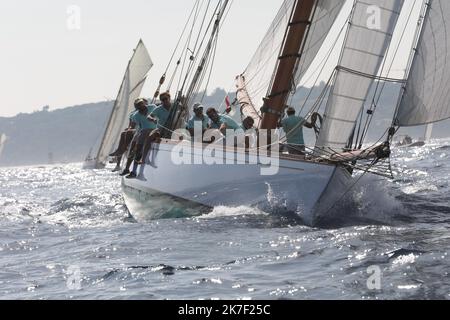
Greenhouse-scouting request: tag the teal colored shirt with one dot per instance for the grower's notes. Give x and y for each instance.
(191, 122)
(142, 122)
(231, 124)
(293, 126)
(162, 114)
(151, 108)
(132, 115)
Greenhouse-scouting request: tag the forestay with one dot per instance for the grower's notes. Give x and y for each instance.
(133, 82)
(253, 84)
(368, 38)
(427, 94)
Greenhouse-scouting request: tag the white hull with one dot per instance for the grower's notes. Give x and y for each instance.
(169, 189)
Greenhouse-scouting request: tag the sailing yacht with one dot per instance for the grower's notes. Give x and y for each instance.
(405, 141)
(130, 89)
(2, 143)
(311, 185)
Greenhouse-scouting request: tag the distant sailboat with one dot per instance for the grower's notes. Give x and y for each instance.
(3, 139)
(132, 84)
(405, 141)
(428, 132)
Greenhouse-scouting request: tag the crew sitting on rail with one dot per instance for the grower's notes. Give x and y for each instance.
(126, 137)
(162, 112)
(198, 116)
(293, 127)
(145, 125)
(159, 115)
(221, 122)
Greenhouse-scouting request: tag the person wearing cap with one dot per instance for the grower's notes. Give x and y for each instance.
(127, 135)
(144, 126)
(158, 115)
(221, 122)
(198, 116)
(162, 112)
(293, 127)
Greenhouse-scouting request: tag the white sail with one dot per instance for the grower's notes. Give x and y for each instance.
(427, 94)
(2, 143)
(368, 38)
(428, 132)
(324, 17)
(133, 82)
(254, 83)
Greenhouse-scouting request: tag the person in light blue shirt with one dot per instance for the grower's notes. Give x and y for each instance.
(162, 113)
(293, 127)
(197, 117)
(143, 122)
(221, 122)
(127, 135)
(144, 126)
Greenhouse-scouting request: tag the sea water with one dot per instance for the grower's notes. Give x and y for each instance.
(65, 233)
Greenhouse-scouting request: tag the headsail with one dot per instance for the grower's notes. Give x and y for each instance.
(253, 84)
(132, 84)
(427, 93)
(368, 38)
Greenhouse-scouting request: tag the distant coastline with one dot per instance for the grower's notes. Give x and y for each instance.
(66, 135)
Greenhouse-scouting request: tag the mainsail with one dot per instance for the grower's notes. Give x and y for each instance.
(253, 84)
(132, 84)
(427, 92)
(368, 38)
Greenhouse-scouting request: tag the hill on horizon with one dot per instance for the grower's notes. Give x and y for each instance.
(67, 134)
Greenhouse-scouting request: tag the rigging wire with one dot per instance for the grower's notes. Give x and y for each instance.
(323, 64)
(200, 70)
(211, 69)
(181, 36)
(316, 106)
(185, 51)
(189, 76)
(173, 56)
(213, 56)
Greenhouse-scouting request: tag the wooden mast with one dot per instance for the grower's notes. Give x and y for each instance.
(296, 34)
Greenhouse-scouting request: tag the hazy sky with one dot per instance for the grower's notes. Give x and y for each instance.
(43, 62)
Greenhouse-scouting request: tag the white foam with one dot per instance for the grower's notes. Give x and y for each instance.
(222, 211)
(374, 200)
